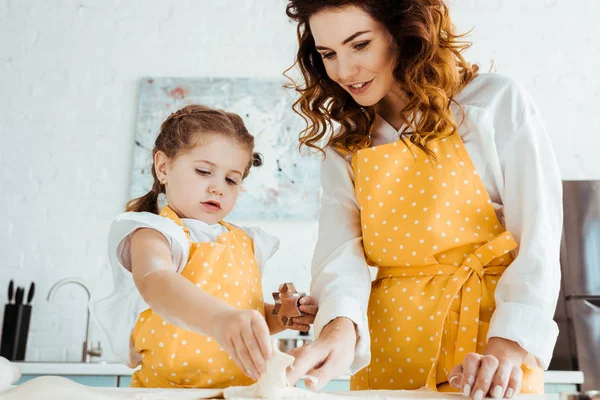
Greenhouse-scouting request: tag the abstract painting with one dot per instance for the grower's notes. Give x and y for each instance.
(286, 187)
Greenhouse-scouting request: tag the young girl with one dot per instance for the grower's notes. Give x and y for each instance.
(188, 304)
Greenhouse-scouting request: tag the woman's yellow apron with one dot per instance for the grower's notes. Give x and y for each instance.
(431, 229)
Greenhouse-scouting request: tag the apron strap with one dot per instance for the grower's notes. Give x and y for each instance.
(168, 213)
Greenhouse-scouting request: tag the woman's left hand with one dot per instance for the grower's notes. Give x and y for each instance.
(497, 371)
(308, 305)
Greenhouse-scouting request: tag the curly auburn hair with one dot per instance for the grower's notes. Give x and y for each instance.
(184, 129)
(430, 70)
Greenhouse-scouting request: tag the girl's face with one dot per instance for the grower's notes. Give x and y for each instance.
(357, 51)
(204, 183)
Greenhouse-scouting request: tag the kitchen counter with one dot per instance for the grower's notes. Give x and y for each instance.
(74, 368)
(361, 394)
(118, 369)
(65, 389)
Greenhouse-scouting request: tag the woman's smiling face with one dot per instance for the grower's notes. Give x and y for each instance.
(357, 51)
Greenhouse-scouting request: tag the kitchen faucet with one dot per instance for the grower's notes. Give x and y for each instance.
(92, 351)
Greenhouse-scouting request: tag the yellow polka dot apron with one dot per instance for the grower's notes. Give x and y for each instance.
(430, 228)
(175, 357)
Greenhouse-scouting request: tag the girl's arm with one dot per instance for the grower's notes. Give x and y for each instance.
(242, 333)
(169, 294)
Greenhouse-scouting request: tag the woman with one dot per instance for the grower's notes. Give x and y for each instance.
(444, 179)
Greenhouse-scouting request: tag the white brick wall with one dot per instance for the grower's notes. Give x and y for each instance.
(69, 83)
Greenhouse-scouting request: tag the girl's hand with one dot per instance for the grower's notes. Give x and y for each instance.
(308, 305)
(245, 336)
(497, 372)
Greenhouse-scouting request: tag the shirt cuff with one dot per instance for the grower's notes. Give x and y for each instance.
(514, 321)
(350, 308)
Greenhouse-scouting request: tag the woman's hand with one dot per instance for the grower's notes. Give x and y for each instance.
(308, 305)
(327, 357)
(497, 372)
(245, 336)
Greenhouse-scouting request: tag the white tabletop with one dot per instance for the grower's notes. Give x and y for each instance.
(118, 369)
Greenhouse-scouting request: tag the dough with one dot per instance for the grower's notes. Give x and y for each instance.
(272, 384)
(9, 373)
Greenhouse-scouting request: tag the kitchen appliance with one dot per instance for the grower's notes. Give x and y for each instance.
(578, 310)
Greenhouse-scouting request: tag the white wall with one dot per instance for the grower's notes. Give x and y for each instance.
(69, 82)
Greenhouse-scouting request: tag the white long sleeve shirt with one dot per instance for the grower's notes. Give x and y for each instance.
(505, 137)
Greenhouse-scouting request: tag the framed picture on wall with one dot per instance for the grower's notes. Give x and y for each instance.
(285, 187)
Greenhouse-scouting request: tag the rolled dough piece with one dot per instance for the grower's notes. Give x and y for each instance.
(273, 384)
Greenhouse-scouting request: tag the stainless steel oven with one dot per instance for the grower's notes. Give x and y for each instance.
(578, 311)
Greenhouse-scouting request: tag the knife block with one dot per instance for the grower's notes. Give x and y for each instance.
(15, 330)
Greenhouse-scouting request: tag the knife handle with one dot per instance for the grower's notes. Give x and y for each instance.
(30, 293)
(19, 296)
(11, 291)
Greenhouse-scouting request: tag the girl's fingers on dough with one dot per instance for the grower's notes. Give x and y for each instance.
(244, 356)
(233, 354)
(263, 337)
(256, 356)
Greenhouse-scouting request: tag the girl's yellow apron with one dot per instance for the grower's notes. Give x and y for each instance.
(175, 357)
(431, 229)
